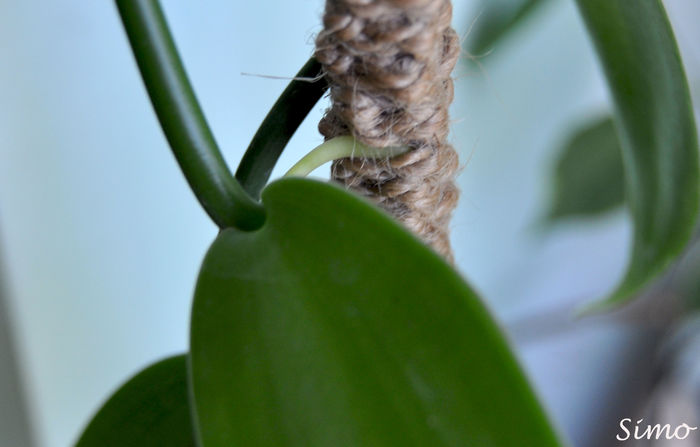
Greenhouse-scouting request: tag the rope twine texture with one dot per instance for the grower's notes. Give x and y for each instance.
(388, 63)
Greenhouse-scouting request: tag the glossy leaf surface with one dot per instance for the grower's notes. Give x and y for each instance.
(331, 325)
(588, 176)
(150, 410)
(640, 59)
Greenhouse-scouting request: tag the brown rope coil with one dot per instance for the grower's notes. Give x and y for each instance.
(388, 63)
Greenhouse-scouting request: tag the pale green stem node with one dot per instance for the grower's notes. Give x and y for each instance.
(340, 147)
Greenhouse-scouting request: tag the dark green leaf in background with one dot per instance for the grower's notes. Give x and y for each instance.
(333, 326)
(640, 59)
(150, 410)
(496, 19)
(588, 176)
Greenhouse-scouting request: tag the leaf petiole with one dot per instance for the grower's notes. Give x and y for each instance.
(279, 125)
(182, 119)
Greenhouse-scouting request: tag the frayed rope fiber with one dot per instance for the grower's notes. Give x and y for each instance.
(388, 63)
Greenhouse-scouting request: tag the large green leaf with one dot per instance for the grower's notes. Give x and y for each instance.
(331, 325)
(657, 131)
(150, 410)
(588, 176)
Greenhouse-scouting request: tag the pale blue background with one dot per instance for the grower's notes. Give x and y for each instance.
(101, 238)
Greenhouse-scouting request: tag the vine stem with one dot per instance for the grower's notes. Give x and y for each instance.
(182, 119)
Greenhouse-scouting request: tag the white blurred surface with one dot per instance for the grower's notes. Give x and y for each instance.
(102, 238)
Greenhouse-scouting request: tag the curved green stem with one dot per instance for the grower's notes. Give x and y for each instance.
(279, 125)
(340, 147)
(182, 119)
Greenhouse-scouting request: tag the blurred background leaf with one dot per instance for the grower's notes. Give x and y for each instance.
(497, 19)
(151, 409)
(638, 52)
(588, 175)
